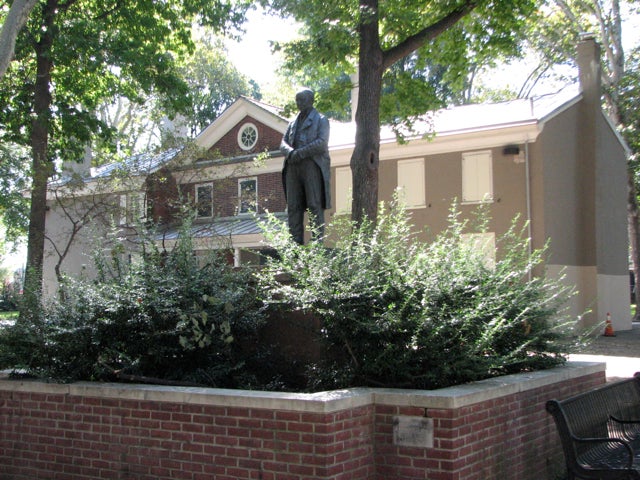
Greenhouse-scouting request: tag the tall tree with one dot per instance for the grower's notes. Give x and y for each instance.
(214, 83)
(72, 54)
(374, 35)
(141, 124)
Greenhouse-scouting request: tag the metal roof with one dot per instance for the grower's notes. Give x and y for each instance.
(224, 227)
(447, 121)
(143, 163)
(465, 118)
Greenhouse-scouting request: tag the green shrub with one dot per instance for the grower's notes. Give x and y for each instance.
(395, 312)
(401, 313)
(170, 316)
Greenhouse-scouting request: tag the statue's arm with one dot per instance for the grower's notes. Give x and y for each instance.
(285, 147)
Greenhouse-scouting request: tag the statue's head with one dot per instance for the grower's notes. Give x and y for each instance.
(304, 99)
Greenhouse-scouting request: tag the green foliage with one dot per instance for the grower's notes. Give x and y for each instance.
(628, 95)
(14, 180)
(395, 312)
(430, 76)
(214, 83)
(400, 313)
(101, 50)
(171, 316)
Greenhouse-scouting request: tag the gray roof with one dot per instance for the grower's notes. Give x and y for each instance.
(143, 163)
(468, 118)
(225, 227)
(454, 120)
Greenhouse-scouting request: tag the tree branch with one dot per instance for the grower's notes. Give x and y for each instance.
(412, 43)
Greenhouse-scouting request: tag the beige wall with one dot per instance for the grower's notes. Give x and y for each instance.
(443, 186)
(92, 238)
(579, 205)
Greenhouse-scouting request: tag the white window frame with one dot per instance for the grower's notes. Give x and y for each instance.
(477, 177)
(122, 210)
(241, 196)
(243, 136)
(411, 183)
(343, 195)
(197, 199)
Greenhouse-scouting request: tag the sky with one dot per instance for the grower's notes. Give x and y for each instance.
(252, 55)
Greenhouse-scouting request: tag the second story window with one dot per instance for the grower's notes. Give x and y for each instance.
(204, 200)
(343, 190)
(411, 182)
(477, 177)
(247, 195)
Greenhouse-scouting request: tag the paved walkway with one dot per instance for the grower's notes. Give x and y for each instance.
(621, 353)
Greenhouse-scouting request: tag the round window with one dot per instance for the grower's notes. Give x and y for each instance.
(247, 136)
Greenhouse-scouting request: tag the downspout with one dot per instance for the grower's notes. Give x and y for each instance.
(527, 182)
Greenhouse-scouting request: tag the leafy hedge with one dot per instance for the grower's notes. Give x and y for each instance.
(395, 312)
(167, 316)
(401, 313)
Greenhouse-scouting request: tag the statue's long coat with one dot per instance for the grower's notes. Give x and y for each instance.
(313, 142)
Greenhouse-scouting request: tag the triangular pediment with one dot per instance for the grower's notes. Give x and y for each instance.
(222, 133)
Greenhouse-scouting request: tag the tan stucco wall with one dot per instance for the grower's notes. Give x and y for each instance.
(579, 205)
(443, 186)
(611, 204)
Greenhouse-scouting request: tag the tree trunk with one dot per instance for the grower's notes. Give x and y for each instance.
(366, 154)
(13, 23)
(42, 167)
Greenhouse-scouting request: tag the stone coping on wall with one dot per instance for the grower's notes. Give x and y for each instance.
(321, 402)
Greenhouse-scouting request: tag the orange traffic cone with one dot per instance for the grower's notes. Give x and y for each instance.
(608, 328)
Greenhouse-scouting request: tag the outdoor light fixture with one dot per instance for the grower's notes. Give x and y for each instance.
(513, 151)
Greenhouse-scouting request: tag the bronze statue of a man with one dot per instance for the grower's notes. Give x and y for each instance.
(306, 172)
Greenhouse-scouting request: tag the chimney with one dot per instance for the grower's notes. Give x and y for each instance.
(588, 148)
(588, 59)
(82, 168)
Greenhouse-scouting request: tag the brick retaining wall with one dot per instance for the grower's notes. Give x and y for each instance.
(495, 429)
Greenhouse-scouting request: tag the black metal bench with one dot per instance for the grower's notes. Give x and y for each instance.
(600, 431)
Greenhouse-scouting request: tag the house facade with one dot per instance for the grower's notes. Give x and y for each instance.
(555, 161)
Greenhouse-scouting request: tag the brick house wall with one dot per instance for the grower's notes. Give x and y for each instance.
(164, 195)
(495, 429)
(268, 139)
(225, 194)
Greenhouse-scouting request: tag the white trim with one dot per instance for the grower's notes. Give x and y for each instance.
(480, 139)
(234, 115)
(455, 397)
(241, 130)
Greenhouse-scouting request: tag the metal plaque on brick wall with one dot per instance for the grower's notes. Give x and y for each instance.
(411, 431)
